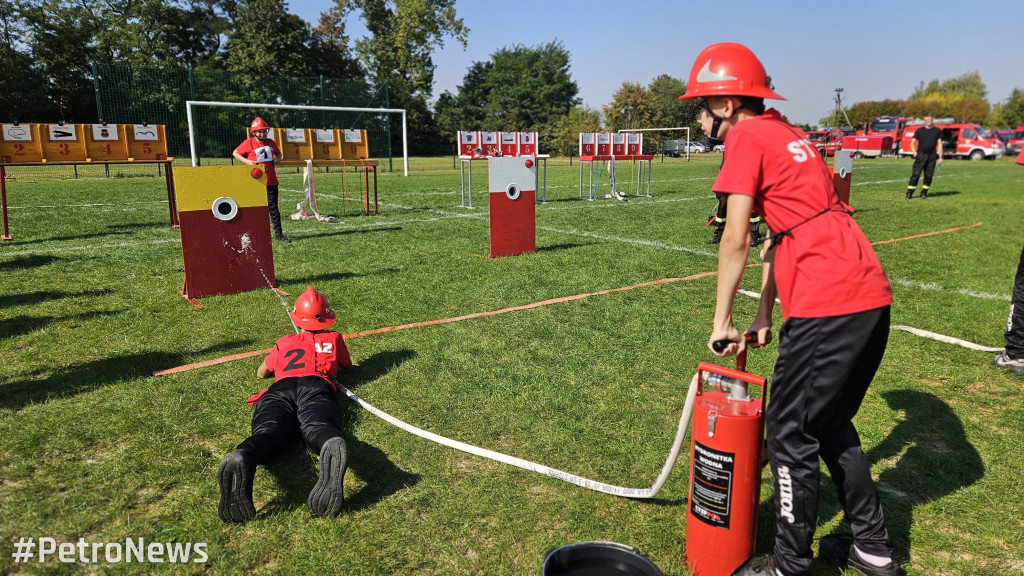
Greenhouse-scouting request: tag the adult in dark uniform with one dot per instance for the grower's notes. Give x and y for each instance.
(835, 300)
(927, 148)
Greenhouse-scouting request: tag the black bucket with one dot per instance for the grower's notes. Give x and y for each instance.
(596, 558)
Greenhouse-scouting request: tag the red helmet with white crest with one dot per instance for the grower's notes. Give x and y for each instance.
(728, 69)
(258, 124)
(312, 311)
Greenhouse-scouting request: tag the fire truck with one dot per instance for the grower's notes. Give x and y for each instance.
(959, 140)
(892, 126)
(829, 140)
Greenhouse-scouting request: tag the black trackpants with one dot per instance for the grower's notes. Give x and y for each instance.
(824, 368)
(1014, 335)
(305, 405)
(925, 161)
(275, 210)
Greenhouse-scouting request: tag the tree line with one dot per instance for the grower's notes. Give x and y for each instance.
(48, 49)
(964, 97)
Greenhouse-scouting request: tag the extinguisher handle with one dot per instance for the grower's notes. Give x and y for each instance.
(719, 345)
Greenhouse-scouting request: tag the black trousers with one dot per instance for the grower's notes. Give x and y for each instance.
(306, 406)
(1014, 335)
(925, 161)
(824, 368)
(275, 210)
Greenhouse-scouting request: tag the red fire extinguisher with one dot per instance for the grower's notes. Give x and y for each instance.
(725, 470)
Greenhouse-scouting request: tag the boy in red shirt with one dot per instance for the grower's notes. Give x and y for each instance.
(258, 149)
(302, 401)
(835, 298)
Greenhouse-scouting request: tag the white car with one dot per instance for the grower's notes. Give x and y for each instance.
(720, 148)
(697, 147)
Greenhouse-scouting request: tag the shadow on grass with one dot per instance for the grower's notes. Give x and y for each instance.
(90, 376)
(66, 238)
(309, 280)
(941, 193)
(296, 473)
(44, 296)
(935, 460)
(24, 262)
(563, 247)
(139, 225)
(21, 325)
(353, 231)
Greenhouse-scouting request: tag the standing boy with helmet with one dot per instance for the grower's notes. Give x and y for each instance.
(302, 401)
(258, 149)
(927, 148)
(835, 299)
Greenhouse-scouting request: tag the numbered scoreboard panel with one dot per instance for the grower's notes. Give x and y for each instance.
(615, 144)
(82, 143)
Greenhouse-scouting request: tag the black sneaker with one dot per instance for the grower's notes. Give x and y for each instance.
(282, 238)
(840, 552)
(328, 495)
(762, 565)
(717, 237)
(234, 475)
(924, 194)
(910, 194)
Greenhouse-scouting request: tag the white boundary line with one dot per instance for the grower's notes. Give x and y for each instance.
(915, 331)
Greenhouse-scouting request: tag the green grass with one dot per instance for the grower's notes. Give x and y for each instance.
(94, 446)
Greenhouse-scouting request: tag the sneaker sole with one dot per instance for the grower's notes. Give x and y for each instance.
(328, 495)
(235, 490)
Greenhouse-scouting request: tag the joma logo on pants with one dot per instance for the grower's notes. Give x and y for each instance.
(786, 494)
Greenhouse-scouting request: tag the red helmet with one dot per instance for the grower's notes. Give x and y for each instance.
(259, 124)
(728, 69)
(256, 173)
(312, 311)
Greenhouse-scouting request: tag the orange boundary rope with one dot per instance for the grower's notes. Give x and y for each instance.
(548, 302)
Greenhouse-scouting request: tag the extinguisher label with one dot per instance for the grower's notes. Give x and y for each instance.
(711, 485)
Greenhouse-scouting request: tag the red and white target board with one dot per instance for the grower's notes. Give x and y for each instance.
(512, 205)
(225, 230)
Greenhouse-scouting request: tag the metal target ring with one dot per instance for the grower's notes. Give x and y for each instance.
(225, 209)
(842, 172)
(512, 192)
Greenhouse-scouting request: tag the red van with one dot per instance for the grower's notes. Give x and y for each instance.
(959, 140)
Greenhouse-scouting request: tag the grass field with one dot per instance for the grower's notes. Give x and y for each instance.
(93, 446)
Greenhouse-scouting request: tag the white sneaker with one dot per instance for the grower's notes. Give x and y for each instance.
(1015, 365)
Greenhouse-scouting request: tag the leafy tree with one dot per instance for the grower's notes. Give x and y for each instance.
(632, 106)
(519, 89)
(965, 86)
(403, 36)
(565, 132)
(670, 111)
(330, 53)
(59, 38)
(267, 41)
(863, 112)
(1013, 109)
(158, 32)
(529, 88)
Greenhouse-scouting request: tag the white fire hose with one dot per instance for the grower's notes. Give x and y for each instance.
(677, 443)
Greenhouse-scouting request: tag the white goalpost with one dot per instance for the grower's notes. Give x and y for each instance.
(192, 132)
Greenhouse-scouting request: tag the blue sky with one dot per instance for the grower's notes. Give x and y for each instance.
(872, 49)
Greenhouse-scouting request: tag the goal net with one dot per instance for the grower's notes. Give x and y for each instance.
(216, 128)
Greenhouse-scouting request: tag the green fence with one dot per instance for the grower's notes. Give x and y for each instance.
(136, 95)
